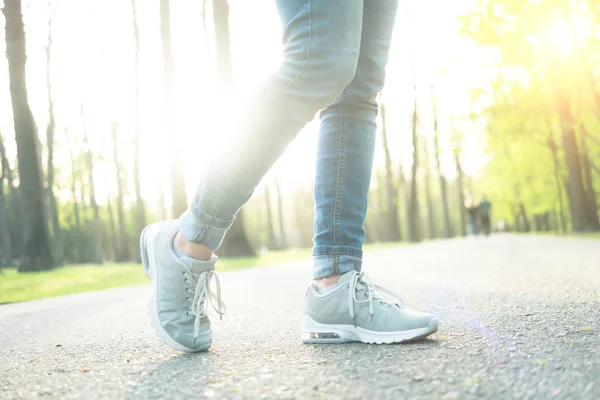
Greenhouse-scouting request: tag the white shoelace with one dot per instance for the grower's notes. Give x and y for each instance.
(203, 290)
(374, 292)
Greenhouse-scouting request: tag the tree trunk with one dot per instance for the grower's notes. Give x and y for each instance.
(37, 255)
(392, 193)
(178, 195)
(111, 222)
(5, 238)
(50, 128)
(557, 177)
(524, 218)
(271, 241)
(78, 243)
(13, 205)
(589, 182)
(448, 231)
(414, 221)
(282, 236)
(123, 245)
(430, 212)
(578, 202)
(140, 213)
(461, 193)
(236, 241)
(97, 239)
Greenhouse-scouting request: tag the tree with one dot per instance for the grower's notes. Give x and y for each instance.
(14, 205)
(122, 253)
(50, 128)
(460, 183)
(140, 214)
(271, 241)
(178, 196)
(448, 231)
(280, 216)
(36, 255)
(5, 235)
(428, 197)
(414, 219)
(550, 75)
(77, 239)
(236, 242)
(393, 225)
(89, 158)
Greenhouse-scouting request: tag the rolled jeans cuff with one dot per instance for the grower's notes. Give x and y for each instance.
(199, 227)
(332, 260)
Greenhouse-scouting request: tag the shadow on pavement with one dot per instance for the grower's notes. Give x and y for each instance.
(175, 375)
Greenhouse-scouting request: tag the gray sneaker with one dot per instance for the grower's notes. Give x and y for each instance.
(180, 288)
(358, 311)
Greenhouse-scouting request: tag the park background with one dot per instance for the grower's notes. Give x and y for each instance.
(110, 112)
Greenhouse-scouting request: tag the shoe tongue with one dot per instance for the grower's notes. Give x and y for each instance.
(347, 277)
(198, 266)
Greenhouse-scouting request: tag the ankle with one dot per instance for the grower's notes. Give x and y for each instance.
(194, 250)
(324, 283)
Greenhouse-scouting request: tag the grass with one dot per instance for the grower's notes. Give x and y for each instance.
(16, 287)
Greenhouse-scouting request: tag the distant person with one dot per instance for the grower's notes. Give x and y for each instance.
(334, 58)
(472, 212)
(485, 211)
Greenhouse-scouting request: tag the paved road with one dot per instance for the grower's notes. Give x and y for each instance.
(519, 318)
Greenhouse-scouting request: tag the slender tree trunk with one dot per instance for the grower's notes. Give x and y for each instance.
(461, 193)
(236, 241)
(578, 202)
(383, 233)
(178, 195)
(140, 213)
(282, 235)
(430, 209)
(114, 248)
(271, 242)
(592, 203)
(50, 128)
(78, 231)
(37, 255)
(123, 247)
(557, 177)
(414, 222)
(97, 245)
(5, 236)
(13, 205)
(392, 192)
(448, 231)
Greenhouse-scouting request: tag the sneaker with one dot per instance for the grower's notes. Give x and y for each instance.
(355, 310)
(180, 289)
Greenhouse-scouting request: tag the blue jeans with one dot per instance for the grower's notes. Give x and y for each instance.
(335, 53)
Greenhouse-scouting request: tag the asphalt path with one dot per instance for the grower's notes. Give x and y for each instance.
(519, 319)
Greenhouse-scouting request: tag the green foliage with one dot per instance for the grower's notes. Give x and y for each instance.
(544, 58)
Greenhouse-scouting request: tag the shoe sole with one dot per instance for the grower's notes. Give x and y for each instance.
(314, 332)
(147, 239)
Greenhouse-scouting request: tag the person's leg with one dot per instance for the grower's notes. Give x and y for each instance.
(321, 48)
(345, 152)
(342, 305)
(322, 42)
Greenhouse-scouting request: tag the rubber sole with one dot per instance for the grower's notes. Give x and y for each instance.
(147, 239)
(314, 332)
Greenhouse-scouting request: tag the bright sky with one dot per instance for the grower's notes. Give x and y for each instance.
(93, 61)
